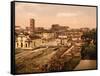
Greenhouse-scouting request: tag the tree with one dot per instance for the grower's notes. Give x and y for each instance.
(89, 36)
(88, 50)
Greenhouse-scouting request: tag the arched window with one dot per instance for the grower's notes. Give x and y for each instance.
(26, 44)
(17, 44)
(21, 44)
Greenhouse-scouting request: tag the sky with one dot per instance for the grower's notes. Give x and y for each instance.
(47, 14)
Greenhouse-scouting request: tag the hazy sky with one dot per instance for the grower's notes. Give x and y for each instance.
(46, 14)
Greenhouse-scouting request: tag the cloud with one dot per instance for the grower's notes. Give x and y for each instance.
(62, 14)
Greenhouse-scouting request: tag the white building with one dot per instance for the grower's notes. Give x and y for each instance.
(23, 41)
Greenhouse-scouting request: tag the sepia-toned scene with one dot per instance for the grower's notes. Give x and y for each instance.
(54, 38)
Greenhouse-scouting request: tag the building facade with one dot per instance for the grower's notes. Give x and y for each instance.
(23, 41)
